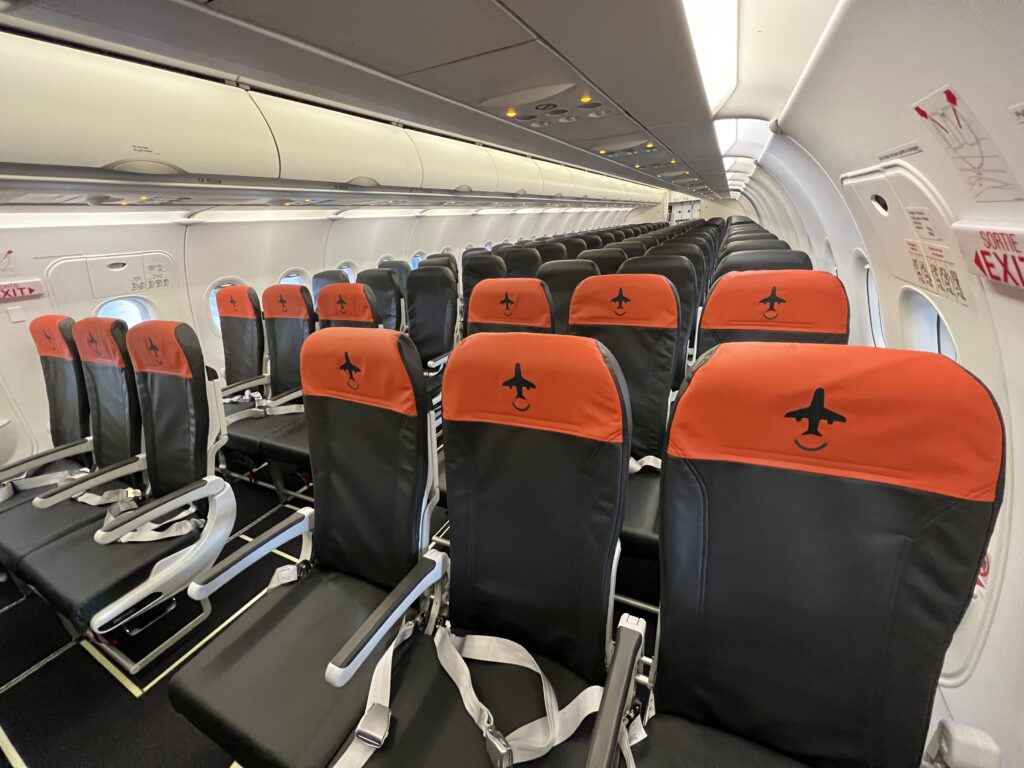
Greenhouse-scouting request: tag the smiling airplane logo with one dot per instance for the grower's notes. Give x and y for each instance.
(342, 306)
(351, 369)
(154, 350)
(771, 300)
(283, 302)
(620, 300)
(508, 302)
(94, 343)
(814, 414)
(519, 383)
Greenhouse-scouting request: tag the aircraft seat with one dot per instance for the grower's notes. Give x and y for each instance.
(592, 239)
(775, 305)
(511, 304)
(762, 259)
(241, 331)
(433, 309)
(833, 526)
(574, 245)
(68, 402)
(632, 248)
(140, 557)
(681, 272)
(607, 238)
(697, 257)
(521, 262)
(387, 291)
(550, 251)
(608, 259)
(348, 305)
(357, 544)
(442, 260)
(561, 278)
(401, 269)
(116, 437)
(323, 279)
(477, 267)
(767, 244)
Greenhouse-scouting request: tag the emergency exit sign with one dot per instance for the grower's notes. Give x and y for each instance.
(16, 290)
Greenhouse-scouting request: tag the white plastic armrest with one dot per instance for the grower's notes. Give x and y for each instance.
(276, 402)
(430, 569)
(131, 520)
(241, 386)
(66, 451)
(958, 745)
(90, 481)
(215, 577)
(437, 364)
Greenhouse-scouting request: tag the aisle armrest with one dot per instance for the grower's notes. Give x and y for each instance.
(133, 519)
(66, 451)
(87, 482)
(618, 693)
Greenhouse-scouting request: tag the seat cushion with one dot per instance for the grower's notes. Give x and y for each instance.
(20, 497)
(248, 435)
(430, 727)
(288, 443)
(673, 742)
(78, 577)
(258, 688)
(640, 526)
(26, 528)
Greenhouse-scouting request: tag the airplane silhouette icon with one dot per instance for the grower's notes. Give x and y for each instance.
(93, 342)
(519, 383)
(233, 302)
(283, 302)
(153, 348)
(814, 414)
(508, 302)
(341, 308)
(49, 338)
(351, 369)
(621, 299)
(771, 300)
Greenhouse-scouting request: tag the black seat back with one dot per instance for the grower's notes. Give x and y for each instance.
(606, 237)
(521, 262)
(348, 305)
(433, 307)
(801, 305)
(110, 384)
(680, 272)
(745, 261)
(510, 304)
(562, 277)
(289, 319)
(367, 416)
(62, 378)
(171, 379)
(241, 332)
(591, 239)
(477, 267)
(324, 278)
(632, 248)
(388, 293)
(821, 535)
(637, 318)
(442, 260)
(753, 245)
(608, 260)
(533, 543)
(550, 251)
(402, 269)
(574, 246)
(694, 254)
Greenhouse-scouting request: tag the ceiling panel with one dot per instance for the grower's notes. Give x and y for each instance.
(394, 36)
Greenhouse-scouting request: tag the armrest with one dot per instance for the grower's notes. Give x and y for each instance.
(428, 571)
(213, 578)
(87, 482)
(284, 397)
(618, 690)
(241, 386)
(130, 520)
(437, 365)
(37, 460)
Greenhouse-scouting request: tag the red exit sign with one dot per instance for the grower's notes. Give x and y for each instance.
(997, 253)
(15, 290)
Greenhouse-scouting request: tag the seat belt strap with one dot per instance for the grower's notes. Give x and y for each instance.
(282, 410)
(33, 482)
(635, 465)
(181, 524)
(116, 495)
(373, 727)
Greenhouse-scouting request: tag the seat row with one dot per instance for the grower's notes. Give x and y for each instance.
(803, 567)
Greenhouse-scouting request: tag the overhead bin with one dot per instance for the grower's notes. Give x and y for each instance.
(319, 144)
(517, 175)
(455, 165)
(66, 107)
(557, 179)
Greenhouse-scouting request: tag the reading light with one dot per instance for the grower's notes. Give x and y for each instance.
(649, 145)
(637, 165)
(143, 197)
(714, 32)
(673, 161)
(602, 151)
(585, 99)
(510, 112)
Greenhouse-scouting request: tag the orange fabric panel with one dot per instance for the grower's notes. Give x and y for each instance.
(912, 419)
(234, 301)
(363, 365)
(510, 301)
(637, 300)
(96, 343)
(46, 335)
(153, 348)
(345, 301)
(535, 381)
(286, 301)
(778, 300)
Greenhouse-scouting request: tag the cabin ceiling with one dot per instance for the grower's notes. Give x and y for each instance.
(581, 77)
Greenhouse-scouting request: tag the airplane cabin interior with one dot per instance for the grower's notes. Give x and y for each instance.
(485, 383)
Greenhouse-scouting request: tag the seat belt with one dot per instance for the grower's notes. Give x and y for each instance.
(635, 465)
(33, 482)
(120, 500)
(536, 738)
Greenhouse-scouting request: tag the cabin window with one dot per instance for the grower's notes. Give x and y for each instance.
(350, 269)
(211, 297)
(923, 327)
(874, 308)
(132, 309)
(416, 258)
(295, 276)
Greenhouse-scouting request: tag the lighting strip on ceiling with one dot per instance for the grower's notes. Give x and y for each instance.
(715, 32)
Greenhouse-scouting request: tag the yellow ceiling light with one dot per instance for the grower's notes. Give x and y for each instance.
(511, 112)
(307, 200)
(143, 197)
(649, 145)
(602, 151)
(673, 161)
(124, 202)
(637, 165)
(586, 99)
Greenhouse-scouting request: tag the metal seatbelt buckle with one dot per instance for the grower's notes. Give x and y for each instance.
(498, 749)
(374, 726)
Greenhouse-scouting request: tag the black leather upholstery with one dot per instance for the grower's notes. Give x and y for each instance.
(753, 245)
(608, 260)
(433, 307)
(592, 240)
(762, 259)
(62, 378)
(442, 259)
(388, 293)
(402, 270)
(574, 246)
(562, 277)
(632, 248)
(521, 262)
(289, 319)
(326, 277)
(695, 255)
(550, 251)
(673, 742)
(241, 330)
(475, 268)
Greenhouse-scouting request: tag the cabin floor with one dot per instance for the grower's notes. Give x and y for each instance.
(64, 703)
